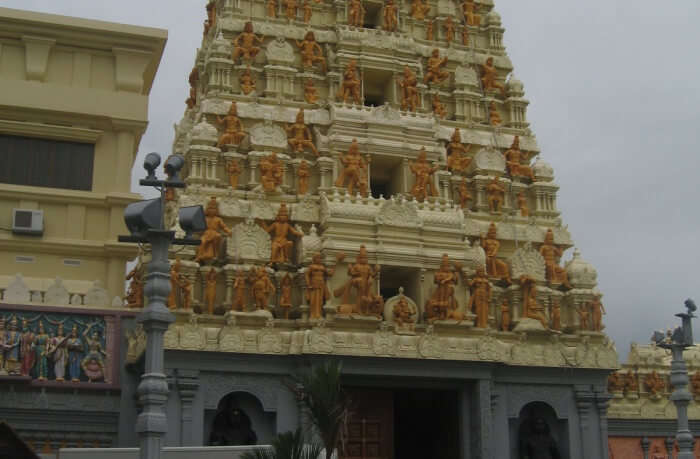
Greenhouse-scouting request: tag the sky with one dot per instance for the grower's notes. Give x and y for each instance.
(614, 89)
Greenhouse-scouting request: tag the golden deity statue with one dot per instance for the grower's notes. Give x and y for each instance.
(210, 248)
(311, 51)
(489, 75)
(389, 16)
(299, 135)
(443, 303)
(280, 230)
(210, 290)
(551, 253)
(290, 8)
(286, 295)
(303, 174)
(631, 383)
(469, 10)
(429, 30)
(434, 73)
(239, 288)
(134, 296)
(233, 131)
(616, 382)
(654, 383)
(532, 309)
(354, 171)
(362, 277)
(555, 315)
(233, 170)
(261, 287)
(465, 36)
(244, 44)
(495, 193)
(419, 9)
(494, 116)
(179, 283)
(317, 292)
(597, 312)
(210, 23)
(193, 79)
(449, 29)
(310, 92)
(584, 315)
(409, 90)
(270, 172)
(495, 268)
(246, 81)
(515, 159)
(438, 107)
(464, 195)
(423, 171)
(271, 6)
(522, 205)
(351, 85)
(308, 11)
(480, 297)
(455, 149)
(356, 13)
(403, 313)
(505, 316)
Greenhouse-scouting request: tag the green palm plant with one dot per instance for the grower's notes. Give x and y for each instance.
(288, 445)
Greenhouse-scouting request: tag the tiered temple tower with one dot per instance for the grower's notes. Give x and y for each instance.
(367, 170)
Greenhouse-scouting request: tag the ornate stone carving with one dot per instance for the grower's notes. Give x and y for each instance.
(265, 389)
(270, 339)
(249, 242)
(320, 339)
(400, 213)
(429, 345)
(192, 336)
(97, 295)
(489, 160)
(57, 293)
(466, 76)
(526, 261)
(17, 291)
(268, 135)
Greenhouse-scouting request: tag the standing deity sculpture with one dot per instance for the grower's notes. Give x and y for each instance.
(356, 13)
(280, 230)
(456, 162)
(354, 170)
(210, 23)
(429, 30)
(286, 295)
(233, 128)
(489, 76)
(495, 268)
(390, 16)
(361, 281)
(233, 170)
(469, 10)
(505, 316)
(270, 172)
(449, 29)
(584, 315)
(551, 254)
(75, 348)
(59, 353)
(311, 51)
(434, 73)
(244, 44)
(193, 81)
(438, 107)
(93, 364)
(261, 287)
(495, 193)
(532, 309)
(210, 290)
(317, 293)
(442, 304)
(41, 348)
(239, 288)
(465, 36)
(299, 136)
(538, 443)
(480, 292)
(310, 92)
(290, 9)
(25, 349)
(303, 174)
(555, 316)
(134, 295)
(514, 161)
(494, 115)
(423, 186)
(179, 284)
(464, 195)
(351, 85)
(308, 11)
(597, 312)
(695, 384)
(271, 7)
(247, 82)
(12, 346)
(211, 247)
(419, 9)
(409, 90)
(522, 205)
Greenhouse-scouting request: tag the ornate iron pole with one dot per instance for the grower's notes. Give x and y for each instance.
(677, 342)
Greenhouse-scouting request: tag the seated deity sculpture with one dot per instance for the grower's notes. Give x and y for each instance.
(311, 52)
(211, 247)
(515, 159)
(551, 253)
(351, 85)
(409, 90)
(244, 44)
(233, 131)
(489, 75)
(456, 162)
(299, 135)
(434, 73)
(532, 309)
(354, 171)
(270, 172)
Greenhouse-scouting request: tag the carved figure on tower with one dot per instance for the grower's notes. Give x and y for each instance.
(480, 297)
(311, 51)
(356, 13)
(438, 107)
(134, 295)
(409, 90)
(24, 348)
(262, 287)
(584, 315)
(419, 9)
(597, 312)
(286, 295)
(233, 170)
(464, 195)
(270, 172)
(465, 36)
(211, 16)
(495, 268)
(631, 383)
(233, 129)
(435, 74)
(456, 162)
(308, 11)
(239, 288)
(244, 44)
(469, 9)
(654, 383)
(489, 75)
(354, 170)
(361, 281)
(505, 316)
(290, 9)
(449, 30)
(616, 382)
(443, 303)
(551, 253)
(93, 363)
(299, 135)
(522, 205)
(423, 171)
(429, 30)
(179, 283)
(280, 230)
(271, 6)
(494, 116)
(532, 309)
(403, 313)
(695, 383)
(351, 85)
(555, 315)
(317, 293)
(210, 247)
(193, 80)
(246, 81)
(310, 92)
(389, 16)
(303, 174)
(515, 159)
(210, 290)
(495, 193)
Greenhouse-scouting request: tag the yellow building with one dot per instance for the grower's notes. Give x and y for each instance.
(73, 108)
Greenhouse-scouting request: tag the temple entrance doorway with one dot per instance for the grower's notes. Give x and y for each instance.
(403, 424)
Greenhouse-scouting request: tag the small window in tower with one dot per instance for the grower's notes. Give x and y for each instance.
(373, 15)
(385, 178)
(377, 87)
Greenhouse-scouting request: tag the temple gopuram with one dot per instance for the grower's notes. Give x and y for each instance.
(374, 194)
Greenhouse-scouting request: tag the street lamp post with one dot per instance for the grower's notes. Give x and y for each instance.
(677, 342)
(145, 220)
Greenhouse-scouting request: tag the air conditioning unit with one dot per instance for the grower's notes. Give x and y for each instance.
(28, 222)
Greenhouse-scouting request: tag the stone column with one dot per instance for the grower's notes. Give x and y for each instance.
(485, 418)
(187, 385)
(601, 399)
(645, 447)
(126, 133)
(325, 166)
(584, 402)
(253, 162)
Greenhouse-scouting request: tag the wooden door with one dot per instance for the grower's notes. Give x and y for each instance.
(370, 433)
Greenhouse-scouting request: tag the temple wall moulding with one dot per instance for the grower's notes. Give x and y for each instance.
(253, 110)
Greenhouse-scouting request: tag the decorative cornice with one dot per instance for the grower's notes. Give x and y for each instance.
(50, 131)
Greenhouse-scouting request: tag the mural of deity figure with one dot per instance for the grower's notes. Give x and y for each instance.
(316, 288)
(74, 345)
(12, 348)
(41, 347)
(59, 354)
(27, 348)
(93, 363)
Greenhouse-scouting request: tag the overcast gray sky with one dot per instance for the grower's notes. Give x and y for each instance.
(614, 91)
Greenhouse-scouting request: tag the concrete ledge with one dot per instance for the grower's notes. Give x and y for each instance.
(213, 452)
